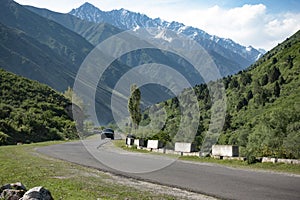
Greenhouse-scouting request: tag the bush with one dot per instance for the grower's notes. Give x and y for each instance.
(32, 112)
(3, 138)
(251, 159)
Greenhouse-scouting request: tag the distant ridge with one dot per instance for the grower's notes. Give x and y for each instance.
(38, 48)
(238, 57)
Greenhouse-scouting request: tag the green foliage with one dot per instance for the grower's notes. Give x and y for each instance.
(3, 138)
(32, 112)
(251, 159)
(134, 106)
(276, 90)
(264, 80)
(273, 74)
(243, 102)
(234, 83)
(291, 142)
(245, 78)
(162, 136)
(274, 61)
(262, 106)
(249, 95)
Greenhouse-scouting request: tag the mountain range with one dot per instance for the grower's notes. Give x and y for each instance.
(49, 47)
(126, 20)
(229, 56)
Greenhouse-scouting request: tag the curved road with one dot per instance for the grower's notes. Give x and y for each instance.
(211, 179)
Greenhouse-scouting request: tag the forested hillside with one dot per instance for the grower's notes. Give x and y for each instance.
(263, 106)
(32, 112)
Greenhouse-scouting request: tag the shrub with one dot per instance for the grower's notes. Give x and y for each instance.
(251, 159)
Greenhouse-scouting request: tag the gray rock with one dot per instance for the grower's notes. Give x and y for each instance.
(4, 187)
(13, 191)
(11, 194)
(18, 186)
(37, 193)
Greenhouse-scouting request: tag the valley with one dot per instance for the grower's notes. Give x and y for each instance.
(65, 76)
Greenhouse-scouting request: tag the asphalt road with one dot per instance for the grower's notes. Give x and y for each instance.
(211, 179)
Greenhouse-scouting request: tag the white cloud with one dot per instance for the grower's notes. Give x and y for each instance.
(248, 25)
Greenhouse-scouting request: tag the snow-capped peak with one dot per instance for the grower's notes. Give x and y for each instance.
(128, 20)
(249, 48)
(124, 12)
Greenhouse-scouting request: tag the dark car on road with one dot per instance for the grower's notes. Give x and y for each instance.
(108, 133)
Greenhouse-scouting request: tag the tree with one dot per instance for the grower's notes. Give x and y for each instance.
(227, 122)
(289, 61)
(226, 81)
(241, 104)
(249, 95)
(234, 83)
(261, 98)
(276, 90)
(257, 88)
(281, 80)
(246, 78)
(292, 141)
(264, 80)
(274, 74)
(3, 138)
(134, 106)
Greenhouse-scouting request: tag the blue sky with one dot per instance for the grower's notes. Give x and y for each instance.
(274, 6)
(260, 23)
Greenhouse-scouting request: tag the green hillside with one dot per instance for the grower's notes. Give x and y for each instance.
(32, 112)
(39, 48)
(33, 59)
(263, 106)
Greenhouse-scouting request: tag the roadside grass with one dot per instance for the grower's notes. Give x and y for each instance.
(65, 180)
(276, 167)
(121, 144)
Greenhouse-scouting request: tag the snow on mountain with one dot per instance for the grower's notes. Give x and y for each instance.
(262, 51)
(128, 20)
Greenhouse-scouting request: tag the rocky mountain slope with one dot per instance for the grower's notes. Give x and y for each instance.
(39, 48)
(225, 52)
